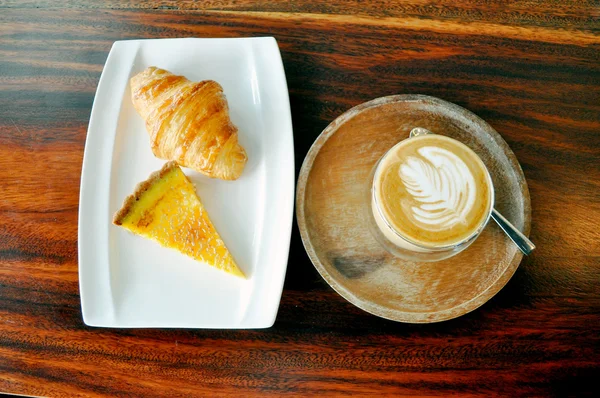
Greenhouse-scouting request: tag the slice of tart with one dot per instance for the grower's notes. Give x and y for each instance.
(165, 208)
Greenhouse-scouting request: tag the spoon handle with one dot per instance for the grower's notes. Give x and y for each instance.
(522, 242)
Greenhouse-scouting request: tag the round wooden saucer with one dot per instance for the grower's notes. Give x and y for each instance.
(330, 209)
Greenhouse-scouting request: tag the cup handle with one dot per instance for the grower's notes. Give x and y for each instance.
(417, 131)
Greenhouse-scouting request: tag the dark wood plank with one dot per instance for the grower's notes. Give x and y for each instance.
(568, 14)
(531, 69)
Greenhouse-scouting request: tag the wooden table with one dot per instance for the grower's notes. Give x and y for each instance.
(531, 69)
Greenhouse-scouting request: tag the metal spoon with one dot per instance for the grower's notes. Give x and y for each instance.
(522, 242)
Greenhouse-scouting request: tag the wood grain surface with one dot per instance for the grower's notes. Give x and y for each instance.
(530, 68)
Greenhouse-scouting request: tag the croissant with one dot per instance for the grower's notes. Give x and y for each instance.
(188, 122)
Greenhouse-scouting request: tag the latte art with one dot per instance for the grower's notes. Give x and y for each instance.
(431, 191)
(441, 186)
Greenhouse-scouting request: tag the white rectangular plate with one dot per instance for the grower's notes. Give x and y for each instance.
(128, 281)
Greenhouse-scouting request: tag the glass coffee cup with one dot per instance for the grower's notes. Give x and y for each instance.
(430, 197)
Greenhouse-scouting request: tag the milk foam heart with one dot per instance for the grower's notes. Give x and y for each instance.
(442, 188)
(432, 191)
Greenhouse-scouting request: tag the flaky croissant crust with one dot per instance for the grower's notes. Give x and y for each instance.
(188, 122)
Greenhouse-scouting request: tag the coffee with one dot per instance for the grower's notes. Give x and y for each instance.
(430, 192)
